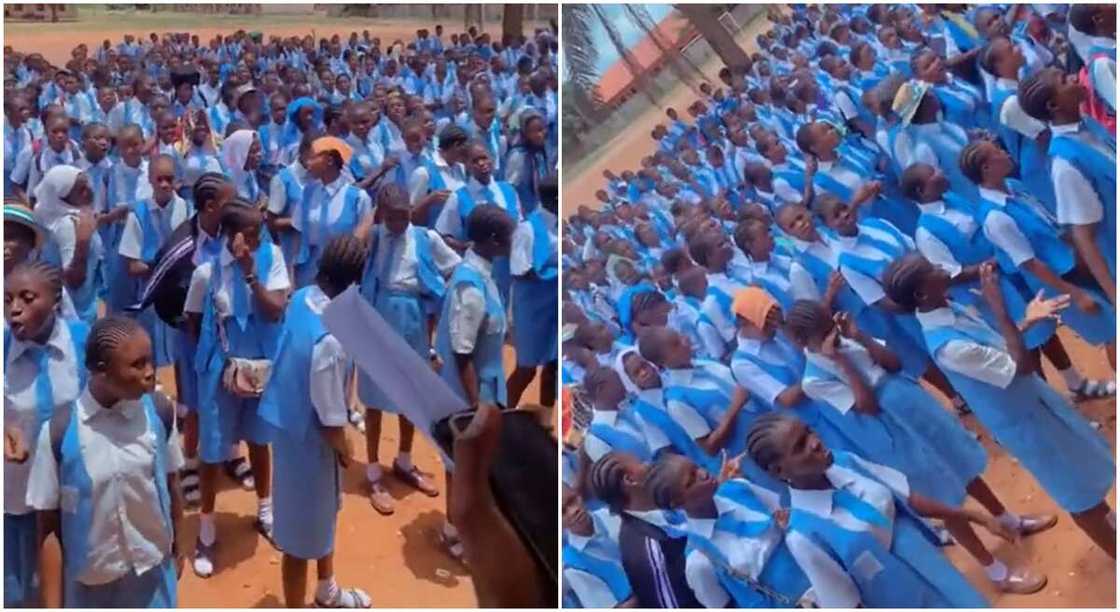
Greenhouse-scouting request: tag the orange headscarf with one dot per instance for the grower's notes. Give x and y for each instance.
(330, 143)
(753, 304)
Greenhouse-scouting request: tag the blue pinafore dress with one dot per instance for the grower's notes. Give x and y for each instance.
(307, 260)
(1100, 170)
(487, 355)
(508, 202)
(535, 311)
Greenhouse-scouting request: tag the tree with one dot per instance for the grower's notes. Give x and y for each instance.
(705, 18)
(512, 20)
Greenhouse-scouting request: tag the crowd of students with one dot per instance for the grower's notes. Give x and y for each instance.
(194, 204)
(887, 204)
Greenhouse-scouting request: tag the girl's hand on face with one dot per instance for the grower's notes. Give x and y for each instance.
(1040, 308)
(830, 347)
(86, 224)
(240, 251)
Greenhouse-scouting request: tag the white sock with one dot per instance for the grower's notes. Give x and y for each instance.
(449, 531)
(207, 532)
(1010, 520)
(996, 571)
(327, 590)
(1072, 377)
(404, 460)
(264, 510)
(373, 472)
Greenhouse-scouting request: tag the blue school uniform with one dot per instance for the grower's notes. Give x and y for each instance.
(292, 180)
(866, 525)
(225, 419)
(743, 546)
(962, 104)
(1033, 165)
(307, 495)
(15, 141)
(487, 354)
(1032, 421)
(314, 235)
(946, 141)
(503, 196)
(535, 312)
(155, 588)
(404, 311)
(1050, 249)
(127, 187)
(593, 568)
(843, 176)
(84, 298)
(617, 431)
(37, 379)
(194, 163)
(1099, 168)
(912, 432)
(971, 250)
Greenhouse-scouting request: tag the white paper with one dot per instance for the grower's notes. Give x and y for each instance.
(405, 377)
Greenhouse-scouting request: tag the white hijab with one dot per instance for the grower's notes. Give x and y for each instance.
(49, 194)
(620, 367)
(235, 151)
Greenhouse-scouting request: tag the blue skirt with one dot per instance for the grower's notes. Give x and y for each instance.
(946, 586)
(186, 378)
(306, 494)
(404, 313)
(155, 588)
(21, 561)
(535, 318)
(1095, 328)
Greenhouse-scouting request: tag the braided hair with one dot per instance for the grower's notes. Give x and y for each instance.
(45, 271)
(606, 478)
(746, 230)
(807, 319)
(652, 344)
(664, 480)
(645, 301)
(972, 161)
(762, 439)
(105, 336)
(489, 222)
(393, 196)
(239, 214)
(700, 247)
(207, 188)
(341, 266)
(595, 378)
(903, 279)
(1036, 91)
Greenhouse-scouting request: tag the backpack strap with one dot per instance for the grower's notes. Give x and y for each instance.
(165, 410)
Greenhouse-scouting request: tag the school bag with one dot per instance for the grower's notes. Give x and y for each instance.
(60, 420)
(1094, 106)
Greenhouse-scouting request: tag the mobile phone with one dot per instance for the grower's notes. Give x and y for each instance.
(524, 479)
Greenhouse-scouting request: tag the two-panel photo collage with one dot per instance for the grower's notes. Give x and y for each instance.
(559, 305)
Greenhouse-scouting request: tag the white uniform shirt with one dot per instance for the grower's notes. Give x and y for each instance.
(127, 533)
(1003, 232)
(800, 280)
(989, 364)
(26, 168)
(468, 307)
(402, 271)
(450, 222)
(21, 401)
(132, 239)
(277, 193)
(333, 197)
(521, 254)
(453, 175)
(838, 393)
(1078, 203)
(867, 288)
(330, 369)
(223, 296)
(755, 379)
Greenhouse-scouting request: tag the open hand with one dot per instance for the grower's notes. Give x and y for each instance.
(1040, 308)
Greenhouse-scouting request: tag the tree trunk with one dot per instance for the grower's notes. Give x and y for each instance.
(706, 22)
(54, 13)
(512, 18)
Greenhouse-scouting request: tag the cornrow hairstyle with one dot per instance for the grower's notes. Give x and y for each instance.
(806, 319)
(606, 478)
(237, 215)
(902, 279)
(673, 260)
(105, 336)
(1036, 91)
(207, 187)
(596, 377)
(762, 441)
(972, 161)
(911, 180)
(645, 301)
(652, 343)
(489, 222)
(48, 272)
(343, 261)
(392, 196)
(663, 480)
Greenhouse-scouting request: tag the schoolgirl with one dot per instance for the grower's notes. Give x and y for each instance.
(407, 267)
(104, 479)
(234, 317)
(285, 193)
(766, 268)
(198, 152)
(129, 184)
(241, 155)
(331, 205)
(992, 369)
(305, 116)
(856, 511)
(59, 150)
(271, 133)
(440, 175)
(44, 357)
(309, 441)
(961, 102)
(64, 208)
(95, 162)
(686, 315)
(368, 157)
(713, 251)
(528, 161)
(592, 567)
(614, 426)
(1029, 245)
(930, 140)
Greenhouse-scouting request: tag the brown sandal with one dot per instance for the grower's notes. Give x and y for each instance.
(380, 499)
(416, 479)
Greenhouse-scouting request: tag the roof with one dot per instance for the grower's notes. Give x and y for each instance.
(674, 28)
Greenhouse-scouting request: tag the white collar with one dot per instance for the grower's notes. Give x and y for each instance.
(317, 300)
(703, 527)
(1007, 84)
(938, 317)
(333, 186)
(749, 345)
(606, 417)
(814, 501)
(935, 207)
(1067, 128)
(992, 195)
(478, 262)
(579, 542)
(57, 342)
(88, 407)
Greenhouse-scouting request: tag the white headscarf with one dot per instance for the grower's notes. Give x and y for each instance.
(235, 150)
(620, 367)
(49, 194)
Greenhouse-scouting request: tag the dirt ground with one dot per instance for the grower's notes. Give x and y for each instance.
(397, 559)
(1080, 575)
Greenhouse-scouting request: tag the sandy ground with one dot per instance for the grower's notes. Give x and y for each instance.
(397, 559)
(1080, 575)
